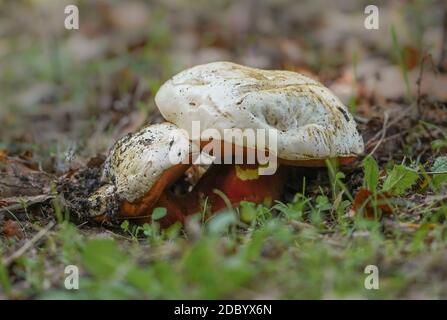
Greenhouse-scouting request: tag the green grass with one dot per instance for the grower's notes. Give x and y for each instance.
(308, 248)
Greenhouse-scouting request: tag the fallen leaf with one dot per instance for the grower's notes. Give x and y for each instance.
(364, 201)
(19, 177)
(3, 155)
(11, 229)
(412, 57)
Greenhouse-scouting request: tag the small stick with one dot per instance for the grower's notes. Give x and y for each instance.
(419, 85)
(394, 136)
(382, 137)
(420, 78)
(29, 244)
(393, 122)
(27, 201)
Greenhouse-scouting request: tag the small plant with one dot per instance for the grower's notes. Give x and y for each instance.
(322, 205)
(439, 144)
(400, 179)
(248, 211)
(295, 209)
(149, 230)
(439, 171)
(372, 199)
(132, 230)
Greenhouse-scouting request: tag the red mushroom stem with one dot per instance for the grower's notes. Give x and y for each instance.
(228, 179)
(238, 182)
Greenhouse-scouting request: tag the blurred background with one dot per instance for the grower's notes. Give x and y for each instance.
(66, 95)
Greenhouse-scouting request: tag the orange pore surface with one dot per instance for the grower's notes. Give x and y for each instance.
(144, 206)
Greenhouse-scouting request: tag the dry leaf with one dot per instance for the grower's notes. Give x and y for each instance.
(11, 229)
(19, 177)
(3, 155)
(363, 201)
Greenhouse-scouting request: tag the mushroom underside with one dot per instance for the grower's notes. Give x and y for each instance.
(221, 185)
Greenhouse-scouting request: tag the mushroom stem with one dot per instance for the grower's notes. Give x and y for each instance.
(238, 183)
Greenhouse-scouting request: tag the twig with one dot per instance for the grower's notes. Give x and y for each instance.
(420, 78)
(29, 244)
(394, 136)
(419, 85)
(434, 199)
(28, 201)
(393, 122)
(384, 128)
(119, 235)
(435, 172)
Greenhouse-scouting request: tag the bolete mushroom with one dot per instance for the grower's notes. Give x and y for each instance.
(301, 122)
(139, 170)
(310, 124)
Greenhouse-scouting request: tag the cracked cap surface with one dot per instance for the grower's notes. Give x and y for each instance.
(136, 162)
(309, 120)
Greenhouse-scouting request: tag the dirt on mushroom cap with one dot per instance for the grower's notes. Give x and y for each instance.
(310, 121)
(136, 162)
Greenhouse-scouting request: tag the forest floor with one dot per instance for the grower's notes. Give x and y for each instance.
(67, 95)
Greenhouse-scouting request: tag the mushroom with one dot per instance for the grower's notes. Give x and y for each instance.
(301, 121)
(309, 122)
(138, 172)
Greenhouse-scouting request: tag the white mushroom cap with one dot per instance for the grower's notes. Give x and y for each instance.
(137, 161)
(309, 120)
